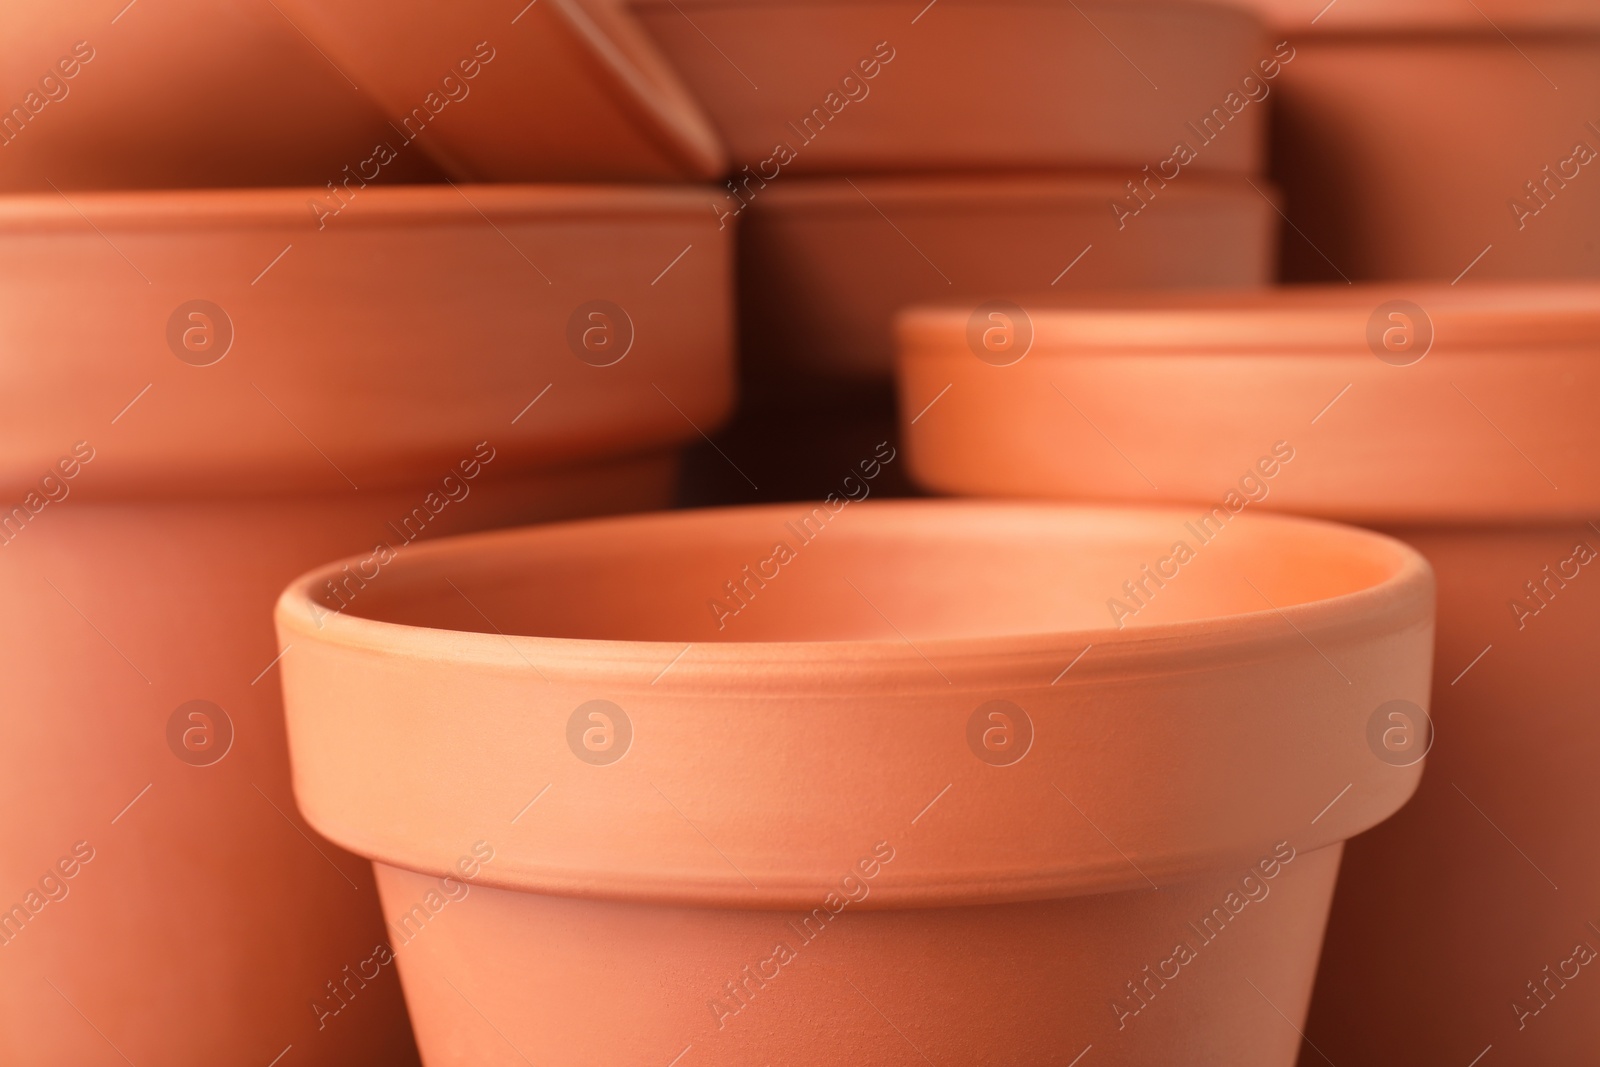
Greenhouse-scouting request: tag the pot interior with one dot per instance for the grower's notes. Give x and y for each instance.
(866, 572)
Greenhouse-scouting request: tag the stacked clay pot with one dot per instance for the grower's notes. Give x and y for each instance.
(894, 151)
(1459, 419)
(239, 342)
(108, 94)
(216, 390)
(563, 90)
(1435, 139)
(856, 781)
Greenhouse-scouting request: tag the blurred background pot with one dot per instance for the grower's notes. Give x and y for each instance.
(107, 94)
(824, 264)
(219, 393)
(680, 753)
(508, 90)
(903, 85)
(1448, 416)
(1431, 139)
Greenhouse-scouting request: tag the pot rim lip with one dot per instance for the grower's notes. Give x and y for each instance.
(1403, 597)
(409, 204)
(1284, 321)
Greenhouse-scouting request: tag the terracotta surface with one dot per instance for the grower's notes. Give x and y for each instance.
(1460, 453)
(1410, 156)
(376, 389)
(1306, 17)
(508, 90)
(620, 781)
(100, 94)
(1104, 406)
(908, 85)
(414, 310)
(826, 263)
(210, 918)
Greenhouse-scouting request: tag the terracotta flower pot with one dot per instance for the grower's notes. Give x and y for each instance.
(699, 739)
(814, 87)
(1382, 179)
(508, 90)
(1449, 417)
(107, 94)
(826, 263)
(200, 384)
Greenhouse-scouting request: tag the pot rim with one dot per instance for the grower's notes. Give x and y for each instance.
(1278, 321)
(408, 205)
(969, 662)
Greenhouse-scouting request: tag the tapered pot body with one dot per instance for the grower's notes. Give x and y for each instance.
(1130, 978)
(891, 799)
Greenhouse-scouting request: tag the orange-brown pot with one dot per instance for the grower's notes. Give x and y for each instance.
(812, 86)
(513, 90)
(1431, 141)
(825, 263)
(210, 394)
(852, 782)
(113, 94)
(1449, 417)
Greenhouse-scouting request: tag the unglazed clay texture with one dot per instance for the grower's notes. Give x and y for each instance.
(634, 782)
(255, 387)
(1459, 418)
(580, 356)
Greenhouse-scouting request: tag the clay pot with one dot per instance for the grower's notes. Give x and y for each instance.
(563, 90)
(698, 739)
(107, 94)
(1442, 150)
(1450, 423)
(904, 85)
(193, 415)
(826, 263)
